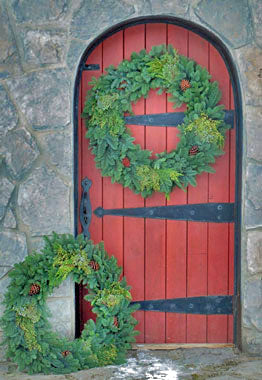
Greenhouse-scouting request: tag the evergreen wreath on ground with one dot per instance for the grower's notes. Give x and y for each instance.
(27, 332)
(201, 134)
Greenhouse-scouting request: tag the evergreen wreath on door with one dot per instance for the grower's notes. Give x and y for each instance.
(201, 134)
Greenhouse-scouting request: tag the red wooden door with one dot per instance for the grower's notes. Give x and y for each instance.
(163, 258)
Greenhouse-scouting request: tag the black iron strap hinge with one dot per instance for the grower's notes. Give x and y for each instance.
(91, 67)
(192, 305)
(85, 207)
(170, 119)
(202, 212)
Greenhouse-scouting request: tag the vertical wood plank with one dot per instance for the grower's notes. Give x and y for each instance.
(113, 193)
(219, 192)
(232, 176)
(197, 232)
(88, 163)
(176, 230)
(155, 254)
(88, 169)
(134, 231)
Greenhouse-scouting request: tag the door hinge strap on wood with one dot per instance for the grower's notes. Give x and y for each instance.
(170, 119)
(202, 212)
(85, 207)
(206, 305)
(91, 67)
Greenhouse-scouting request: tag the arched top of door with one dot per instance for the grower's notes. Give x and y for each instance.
(213, 39)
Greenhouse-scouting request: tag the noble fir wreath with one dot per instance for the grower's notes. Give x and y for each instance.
(202, 132)
(27, 332)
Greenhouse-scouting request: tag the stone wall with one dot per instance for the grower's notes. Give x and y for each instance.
(41, 43)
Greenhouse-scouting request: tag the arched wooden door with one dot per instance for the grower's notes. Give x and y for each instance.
(165, 259)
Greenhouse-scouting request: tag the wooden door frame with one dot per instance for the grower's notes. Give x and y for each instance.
(226, 55)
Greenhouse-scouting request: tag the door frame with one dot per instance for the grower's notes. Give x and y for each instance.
(227, 57)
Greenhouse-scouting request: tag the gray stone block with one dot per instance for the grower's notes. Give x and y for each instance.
(44, 201)
(13, 249)
(39, 11)
(253, 217)
(75, 51)
(58, 146)
(257, 19)
(9, 221)
(94, 16)
(250, 370)
(43, 97)
(62, 319)
(21, 153)
(254, 132)
(178, 7)
(8, 115)
(254, 179)
(143, 7)
(6, 189)
(252, 341)
(37, 244)
(2, 350)
(229, 18)
(64, 290)
(253, 303)
(249, 61)
(103, 373)
(253, 206)
(4, 282)
(43, 47)
(16, 375)
(254, 251)
(9, 58)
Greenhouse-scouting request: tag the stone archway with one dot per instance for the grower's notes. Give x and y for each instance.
(42, 46)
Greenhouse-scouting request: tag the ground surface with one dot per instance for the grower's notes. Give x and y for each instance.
(195, 364)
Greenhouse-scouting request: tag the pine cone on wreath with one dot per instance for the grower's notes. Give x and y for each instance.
(184, 84)
(122, 88)
(115, 322)
(194, 150)
(34, 289)
(65, 353)
(94, 265)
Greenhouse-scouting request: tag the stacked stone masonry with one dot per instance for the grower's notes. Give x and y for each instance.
(41, 44)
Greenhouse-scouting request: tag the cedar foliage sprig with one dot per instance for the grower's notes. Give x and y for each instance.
(112, 95)
(27, 332)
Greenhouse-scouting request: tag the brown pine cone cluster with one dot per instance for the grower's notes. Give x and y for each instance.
(94, 265)
(193, 150)
(185, 84)
(122, 88)
(65, 353)
(115, 322)
(34, 289)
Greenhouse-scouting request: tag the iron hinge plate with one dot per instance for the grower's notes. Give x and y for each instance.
(206, 305)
